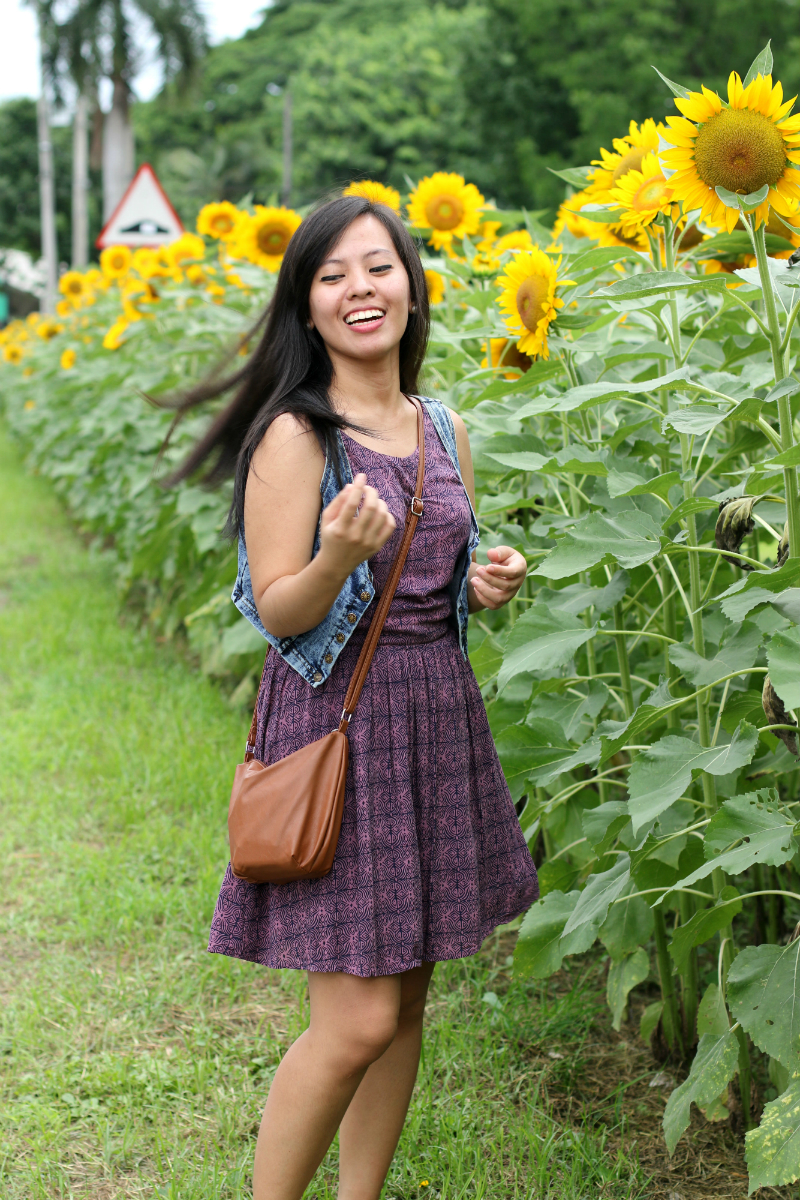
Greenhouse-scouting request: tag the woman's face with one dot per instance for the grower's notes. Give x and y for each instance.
(360, 298)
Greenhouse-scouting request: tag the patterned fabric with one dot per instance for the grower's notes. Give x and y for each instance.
(431, 857)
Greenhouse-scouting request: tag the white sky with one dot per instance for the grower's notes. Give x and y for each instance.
(19, 57)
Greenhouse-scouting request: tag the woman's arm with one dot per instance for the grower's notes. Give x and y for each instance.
(293, 592)
(494, 585)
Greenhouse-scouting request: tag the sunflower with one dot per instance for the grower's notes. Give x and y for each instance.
(263, 238)
(435, 283)
(642, 194)
(68, 360)
(487, 234)
(528, 299)
(195, 274)
(115, 261)
(505, 354)
(33, 319)
(64, 308)
(218, 220)
(147, 263)
(376, 193)
(185, 248)
(48, 329)
(742, 146)
(113, 336)
(97, 280)
(216, 292)
(569, 218)
(13, 354)
(628, 154)
(73, 287)
(518, 239)
(447, 206)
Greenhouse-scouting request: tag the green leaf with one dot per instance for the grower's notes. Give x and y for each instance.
(775, 581)
(578, 459)
(662, 773)
(632, 538)
(763, 997)
(600, 891)
(622, 483)
(761, 65)
(712, 1015)
(623, 976)
(773, 1150)
(694, 504)
(659, 283)
(696, 418)
(241, 638)
(614, 735)
(650, 1018)
(537, 373)
(629, 924)
(505, 501)
(745, 830)
(783, 656)
(703, 925)
(602, 824)
(558, 876)
(542, 640)
(486, 660)
(577, 177)
(590, 394)
(523, 748)
(737, 653)
(677, 89)
(713, 1068)
(577, 597)
(787, 458)
(538, 952)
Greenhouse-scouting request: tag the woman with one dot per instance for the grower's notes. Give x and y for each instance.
(430, 857)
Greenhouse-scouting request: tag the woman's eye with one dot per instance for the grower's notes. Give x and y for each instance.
(385, 267)
(330, 278)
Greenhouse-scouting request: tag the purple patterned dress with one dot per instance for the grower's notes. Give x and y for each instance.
(431, 857)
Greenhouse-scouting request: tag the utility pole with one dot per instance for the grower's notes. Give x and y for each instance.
(47, 200)
(286, 191)
(80, 183)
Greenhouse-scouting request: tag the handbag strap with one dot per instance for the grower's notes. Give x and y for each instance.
(359, 676)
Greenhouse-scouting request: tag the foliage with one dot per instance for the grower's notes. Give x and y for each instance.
(19, 179)
(641, 686)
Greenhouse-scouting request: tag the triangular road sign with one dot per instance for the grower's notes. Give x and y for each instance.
(144, 215)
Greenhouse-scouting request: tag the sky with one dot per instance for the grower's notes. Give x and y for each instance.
(19, 59)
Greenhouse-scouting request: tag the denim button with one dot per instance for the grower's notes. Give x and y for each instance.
(352, 618)
(365, 596)
(340, 638)
(317, 677)
(329, 658)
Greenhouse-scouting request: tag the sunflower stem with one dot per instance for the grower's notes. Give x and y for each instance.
(784, 403)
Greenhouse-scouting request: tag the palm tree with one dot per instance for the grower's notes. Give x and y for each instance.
(94, 41)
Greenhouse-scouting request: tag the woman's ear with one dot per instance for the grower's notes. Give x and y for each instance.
(309, 324)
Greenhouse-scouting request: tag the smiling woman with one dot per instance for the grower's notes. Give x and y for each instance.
(354, 497)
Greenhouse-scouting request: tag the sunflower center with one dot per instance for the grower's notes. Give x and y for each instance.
(75, 287)
(739, 150)
(222, 223)
(653, 193)
(631, 161)
(273, 239)
(444, 211)
(531, 300)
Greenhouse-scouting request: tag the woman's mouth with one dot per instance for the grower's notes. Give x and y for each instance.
(365, 318)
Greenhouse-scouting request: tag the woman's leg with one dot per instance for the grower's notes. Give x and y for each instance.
(353, 1022)
(371, 1128)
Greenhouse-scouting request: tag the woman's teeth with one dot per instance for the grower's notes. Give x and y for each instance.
(361, 318)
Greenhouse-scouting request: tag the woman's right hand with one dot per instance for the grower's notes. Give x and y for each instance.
(354, 526)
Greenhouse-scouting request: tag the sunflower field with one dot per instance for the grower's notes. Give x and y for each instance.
(629, 380)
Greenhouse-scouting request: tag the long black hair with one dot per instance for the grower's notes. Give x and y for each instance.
(290, 370)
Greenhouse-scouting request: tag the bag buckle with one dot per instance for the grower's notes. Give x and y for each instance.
(345, 716)
(416, 500)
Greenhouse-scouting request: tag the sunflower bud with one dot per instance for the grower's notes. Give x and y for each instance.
(734, 522)
(783, 546)
(777, 714)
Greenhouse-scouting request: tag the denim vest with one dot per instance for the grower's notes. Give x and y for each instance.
(313, 653)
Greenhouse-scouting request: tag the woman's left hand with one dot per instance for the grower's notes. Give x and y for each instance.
(500, 580)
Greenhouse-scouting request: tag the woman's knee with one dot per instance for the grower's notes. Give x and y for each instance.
(359, 1045)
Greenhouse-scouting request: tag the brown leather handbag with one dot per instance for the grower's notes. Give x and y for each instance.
(284, 819)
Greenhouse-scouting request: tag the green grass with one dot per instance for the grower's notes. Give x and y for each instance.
(134, 1064)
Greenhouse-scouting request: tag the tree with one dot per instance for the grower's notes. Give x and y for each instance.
(96, 40)
(550, 81)
(19, 172)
